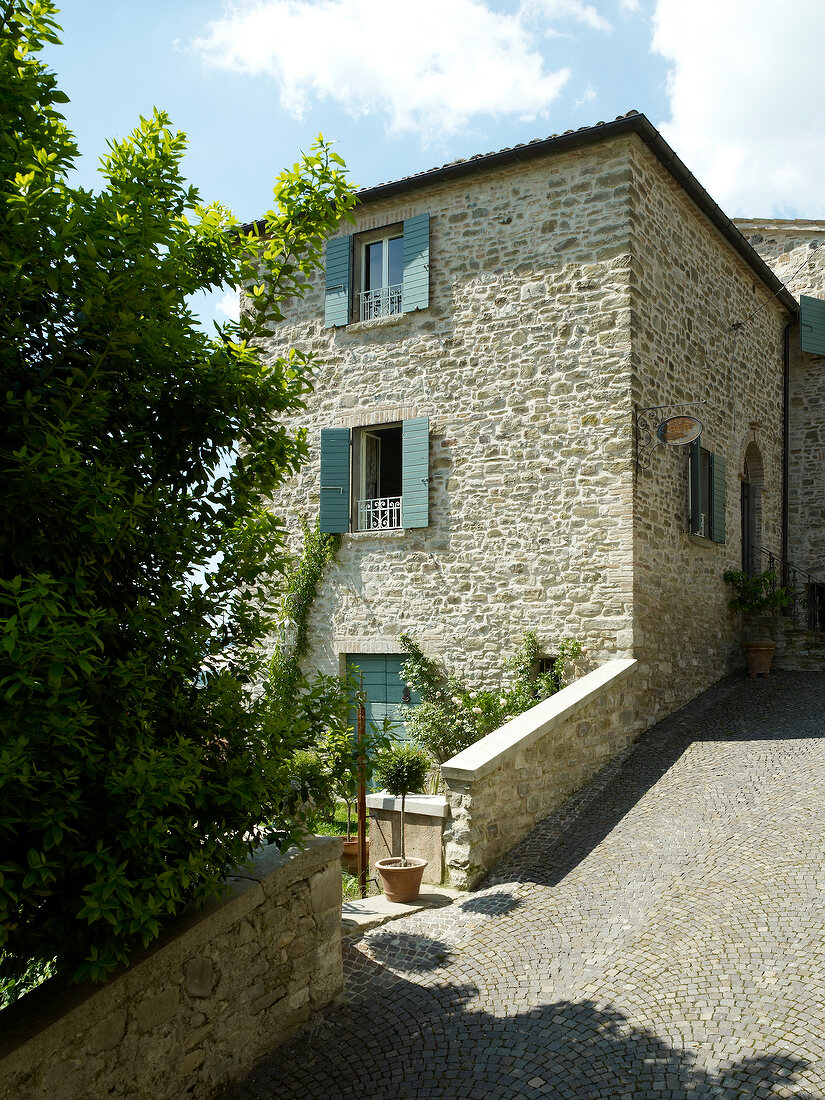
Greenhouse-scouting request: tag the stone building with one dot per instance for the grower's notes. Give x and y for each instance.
(490, 334)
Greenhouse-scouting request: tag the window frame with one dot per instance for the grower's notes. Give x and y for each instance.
(360, 243)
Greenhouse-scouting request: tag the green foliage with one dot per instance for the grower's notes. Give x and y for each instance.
(12, 989)
(342, 753)
(450, 717)
(136, 762)
(756, 593)
(402, 769)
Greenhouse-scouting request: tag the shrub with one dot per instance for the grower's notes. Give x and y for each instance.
(402, 769)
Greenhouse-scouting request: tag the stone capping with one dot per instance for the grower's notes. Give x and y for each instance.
(428, 805)
(493, 750)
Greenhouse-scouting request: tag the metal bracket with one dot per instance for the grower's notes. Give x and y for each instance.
(647, 421)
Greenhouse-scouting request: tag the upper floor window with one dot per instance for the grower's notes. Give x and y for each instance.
(375, 478)
(379, 273)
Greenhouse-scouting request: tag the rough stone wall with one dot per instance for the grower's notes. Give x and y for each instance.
(688, 288)
(490, 814)
(223, 988)
(796, 252)
(522, 364)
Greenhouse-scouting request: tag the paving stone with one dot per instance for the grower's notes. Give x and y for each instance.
(662, 935)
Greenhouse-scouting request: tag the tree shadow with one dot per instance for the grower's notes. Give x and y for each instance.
(397, 1039)
(494, 904)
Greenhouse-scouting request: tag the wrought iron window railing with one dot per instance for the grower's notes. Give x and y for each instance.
(381, 302)
(379, 514)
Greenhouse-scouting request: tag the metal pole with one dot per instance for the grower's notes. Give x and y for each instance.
(362, 803)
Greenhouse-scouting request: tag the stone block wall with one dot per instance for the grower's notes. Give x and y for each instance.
(796, 252)
(688, 288)
(502, 786)
(521, 362)
(223, 987)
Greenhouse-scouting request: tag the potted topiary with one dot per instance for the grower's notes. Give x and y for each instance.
(402, 770)
(757, 595)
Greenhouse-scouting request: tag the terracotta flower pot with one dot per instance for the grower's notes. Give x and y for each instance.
(349, 856)
(401, 883)
(758, 658)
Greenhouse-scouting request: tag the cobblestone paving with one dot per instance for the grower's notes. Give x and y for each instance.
(662, 936)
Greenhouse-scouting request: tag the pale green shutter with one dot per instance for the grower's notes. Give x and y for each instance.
(416, 292)
(334, 480)
(695, 467)
(812, 324)
(718, 468)
(415, 472)
(338, 278)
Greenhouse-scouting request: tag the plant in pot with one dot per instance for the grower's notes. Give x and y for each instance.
(757, 595)
(402, 769)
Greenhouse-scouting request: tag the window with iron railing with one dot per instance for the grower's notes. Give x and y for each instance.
(382, 277)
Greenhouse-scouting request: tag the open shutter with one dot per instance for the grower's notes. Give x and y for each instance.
(338, 278)
(811, 324)
(334, 480)
(416, 292)
(718, 468)
(695, 467)
(415, 472)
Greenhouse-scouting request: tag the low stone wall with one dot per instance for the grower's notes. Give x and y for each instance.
(499, 788)
(424, 818)
(797, 648)
(222, 988)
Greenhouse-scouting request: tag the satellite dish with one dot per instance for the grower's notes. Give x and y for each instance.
(678, 431)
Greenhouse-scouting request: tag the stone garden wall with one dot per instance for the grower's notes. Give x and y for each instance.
(223, 987)
(502, 786)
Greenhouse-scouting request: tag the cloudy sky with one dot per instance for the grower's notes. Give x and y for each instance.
(405, 86)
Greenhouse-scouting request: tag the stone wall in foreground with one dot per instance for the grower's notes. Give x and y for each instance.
(222, 988)
(503, 785)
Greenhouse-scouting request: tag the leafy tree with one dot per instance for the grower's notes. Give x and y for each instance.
(137, 761)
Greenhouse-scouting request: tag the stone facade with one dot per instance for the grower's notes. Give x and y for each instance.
(567, 291)
(220, 990)
(499, 788)
(796, 252)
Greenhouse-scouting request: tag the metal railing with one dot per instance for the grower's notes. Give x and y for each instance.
(381, 302)
(806, 591)
(379, 514)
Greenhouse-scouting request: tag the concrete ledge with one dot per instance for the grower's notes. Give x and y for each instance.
(494, 749)
(427, 805)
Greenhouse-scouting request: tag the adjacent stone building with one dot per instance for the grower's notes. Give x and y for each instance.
(493, 335)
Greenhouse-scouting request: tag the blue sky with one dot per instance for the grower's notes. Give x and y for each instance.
(402, 86)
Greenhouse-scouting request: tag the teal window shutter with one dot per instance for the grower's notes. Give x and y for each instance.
(695, 468)
(416, 290)
(338, 279)
(718, 470)
(415, 472)
(334, 480)
(812, 324)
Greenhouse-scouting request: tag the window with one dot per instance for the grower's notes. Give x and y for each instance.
(375, 478)
(706, 493)
(379, 273)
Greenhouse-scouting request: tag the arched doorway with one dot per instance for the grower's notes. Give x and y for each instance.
(751, 496)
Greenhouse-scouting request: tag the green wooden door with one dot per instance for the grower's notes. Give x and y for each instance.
(384, 689)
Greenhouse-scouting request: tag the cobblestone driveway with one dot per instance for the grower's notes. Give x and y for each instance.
(661, 937)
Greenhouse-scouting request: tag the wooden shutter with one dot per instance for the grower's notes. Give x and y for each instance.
(718, 469)
(695, 468)
(334, 480)
(416, 291)
(338, 279)
(415, 472)
(812, 324)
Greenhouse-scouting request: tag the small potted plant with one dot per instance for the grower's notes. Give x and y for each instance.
(342, 754)
(757, 595)
(402, 769)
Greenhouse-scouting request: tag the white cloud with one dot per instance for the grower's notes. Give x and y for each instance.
(587, 96)
(745, 111)
(428, 67)
(229, 305)
(629, 5)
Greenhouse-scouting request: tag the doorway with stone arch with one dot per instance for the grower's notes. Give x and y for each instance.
(752, 478)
